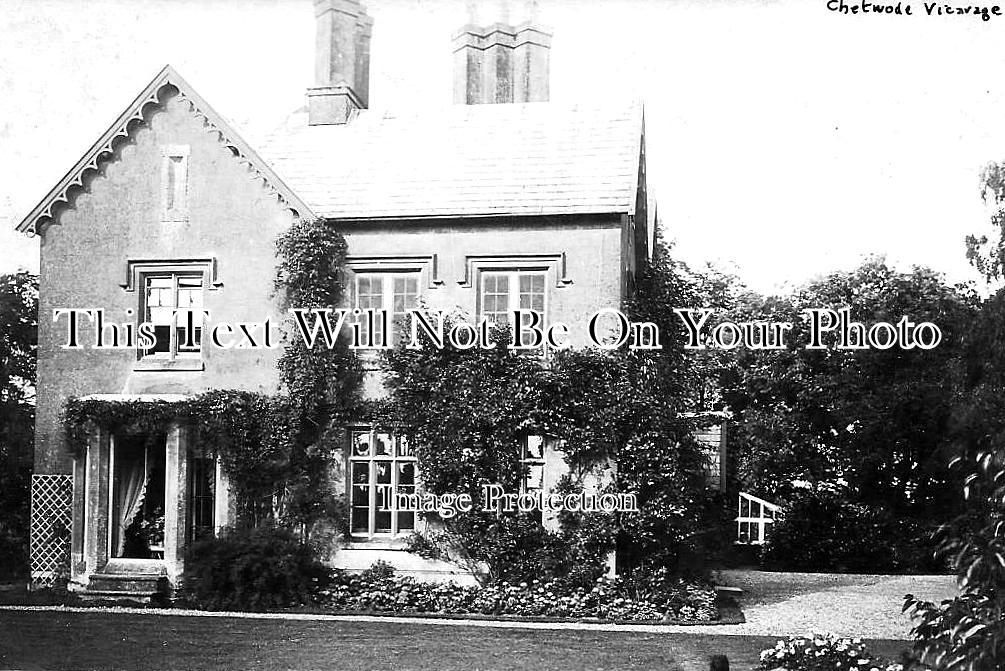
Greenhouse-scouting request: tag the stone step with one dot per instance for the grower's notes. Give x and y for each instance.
(126, 583)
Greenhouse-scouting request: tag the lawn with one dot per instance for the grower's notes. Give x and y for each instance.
(103, 640)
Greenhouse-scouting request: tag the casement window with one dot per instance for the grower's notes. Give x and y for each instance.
(501, 292)
(174, 182)
(164, 295)
(394, 293)
(381, 466)
(532, 458)
(202, 496)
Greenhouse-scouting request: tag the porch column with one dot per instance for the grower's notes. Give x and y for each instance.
(223, 504)
(77, 563)
(95, 513)
(175, 500)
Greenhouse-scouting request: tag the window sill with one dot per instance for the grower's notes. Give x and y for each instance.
(377, 544)
(152, 363)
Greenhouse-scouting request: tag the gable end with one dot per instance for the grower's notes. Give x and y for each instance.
(164, 85)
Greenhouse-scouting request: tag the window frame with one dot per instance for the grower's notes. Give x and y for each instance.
(396, 533)
(513, 276)
(174, 358)
(202, 462)
(387, 294)
(527, 461)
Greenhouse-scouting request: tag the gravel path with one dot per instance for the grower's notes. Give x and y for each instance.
(848, 605)
(775, 604)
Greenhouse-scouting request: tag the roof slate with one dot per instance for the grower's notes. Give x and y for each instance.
(465, 160)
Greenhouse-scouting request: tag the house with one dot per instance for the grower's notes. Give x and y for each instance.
(498, 200)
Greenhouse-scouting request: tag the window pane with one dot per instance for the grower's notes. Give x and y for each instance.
(532, 292)
(495, 297)
(361, 496)
(360, 472)
(404, 449)
(360, 443)
(535, 447)
(535, 477)
(370, 296)
(360, 520)
(163, 336)
(406, 295)
(382, 445)
(406, 476)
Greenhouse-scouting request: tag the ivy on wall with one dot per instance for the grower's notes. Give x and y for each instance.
(276, 449)
(468, 411)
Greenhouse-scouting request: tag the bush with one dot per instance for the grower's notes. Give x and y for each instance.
(13, 522)
(517, 548)
(823, 652)
(252, 569)
(379, 589)
(821, 530)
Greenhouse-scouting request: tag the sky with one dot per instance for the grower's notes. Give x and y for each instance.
(784, 140)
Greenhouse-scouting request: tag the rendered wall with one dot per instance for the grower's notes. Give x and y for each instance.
(231, 217)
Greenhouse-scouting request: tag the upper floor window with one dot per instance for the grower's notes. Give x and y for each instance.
(501, 292)
(394, 293)
(172, 302)
(174, 182)
(381, 467)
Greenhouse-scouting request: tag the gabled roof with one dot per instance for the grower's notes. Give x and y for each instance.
(466, 160)
(105, 147)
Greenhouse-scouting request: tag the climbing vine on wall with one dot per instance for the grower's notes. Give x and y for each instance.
(277, 449)
(468, 410)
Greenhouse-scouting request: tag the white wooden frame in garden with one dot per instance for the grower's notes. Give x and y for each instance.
(753, 517)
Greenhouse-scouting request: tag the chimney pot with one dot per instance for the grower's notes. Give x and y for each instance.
(342, 62)
(501, 63)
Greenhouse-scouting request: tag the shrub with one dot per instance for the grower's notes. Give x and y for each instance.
(822, 531)
(823, 652)
(13, 522)
(379, 589)
(517, 548)
(252, 569)
(967, 633)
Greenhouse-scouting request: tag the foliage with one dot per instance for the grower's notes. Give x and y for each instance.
(468, 410)
(821, 530)
(18, 345)
(875, 421)
(823, 652)
(988, 256)
(517, 548)
(322, 384)
(967, 633)
(277, 450)
(253, 569)
(13, 521)
(379, 589)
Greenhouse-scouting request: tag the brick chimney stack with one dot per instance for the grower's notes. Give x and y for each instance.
(342, 62)
(500, 62)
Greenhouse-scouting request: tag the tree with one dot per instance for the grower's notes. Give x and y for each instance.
(18, 344)
(874, 420)
(967, 633)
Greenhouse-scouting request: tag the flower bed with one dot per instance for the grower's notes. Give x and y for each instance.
(380, 590)
(823, 652)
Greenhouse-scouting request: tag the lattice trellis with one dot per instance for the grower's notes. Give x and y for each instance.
(51, 517)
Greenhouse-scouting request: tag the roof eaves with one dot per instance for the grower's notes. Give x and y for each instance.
(120, 129)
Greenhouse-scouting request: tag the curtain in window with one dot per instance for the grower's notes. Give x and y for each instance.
(134, 473)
